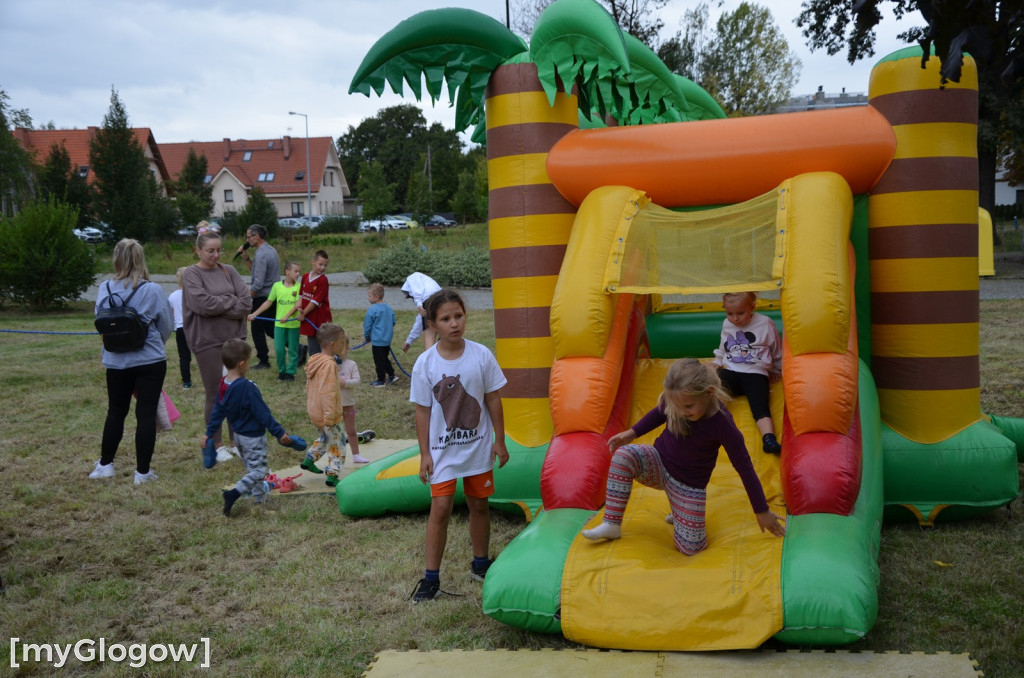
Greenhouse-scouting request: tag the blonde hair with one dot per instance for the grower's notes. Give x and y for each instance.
(130, 261)
(740, 296)
(180, 274)
(689, 377)
(377, 290)
(329, 332)
(206, 236)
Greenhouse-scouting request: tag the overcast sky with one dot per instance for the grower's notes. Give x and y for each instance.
(202, 70)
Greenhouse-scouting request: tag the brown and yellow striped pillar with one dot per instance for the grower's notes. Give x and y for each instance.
(529, 224)
(923, 250)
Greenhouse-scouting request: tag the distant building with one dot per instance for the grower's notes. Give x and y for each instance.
(39, 142)
(234, 167)
(278, 166)
(822, 100)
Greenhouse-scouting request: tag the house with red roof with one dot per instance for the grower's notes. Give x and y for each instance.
(278, 166)
(39, 142)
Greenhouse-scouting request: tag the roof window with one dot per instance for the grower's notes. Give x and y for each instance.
(207, 179)
(300, 175)
(83, 171)
(265, 176)
(247, 156)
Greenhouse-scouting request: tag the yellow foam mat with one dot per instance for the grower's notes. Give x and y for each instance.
(313, 483)
(614, 664)
(639, 593)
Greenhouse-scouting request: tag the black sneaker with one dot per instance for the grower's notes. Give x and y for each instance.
(479, 573)
(770, 444)
(261, 366)
(426, 590)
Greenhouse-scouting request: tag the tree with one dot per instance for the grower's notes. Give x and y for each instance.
(59, 181)
(193, 194)
(16, 166)
(987, 29)
(394, 137)
(639, 18)
(124, 195)
(377, 194)
(466, 201)
(44, 265)
(421, 201)
(258, 210)
(746, 63)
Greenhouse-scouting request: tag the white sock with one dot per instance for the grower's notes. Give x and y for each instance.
(604, 531)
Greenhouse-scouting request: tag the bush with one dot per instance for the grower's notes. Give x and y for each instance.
(44, 266)
(394, 264)
(469, 267)
(338, 224)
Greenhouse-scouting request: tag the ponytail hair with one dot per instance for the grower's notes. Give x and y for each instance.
(691, 377)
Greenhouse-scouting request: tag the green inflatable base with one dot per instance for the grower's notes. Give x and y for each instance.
(523, 586)
(366, 493)
(970, 474)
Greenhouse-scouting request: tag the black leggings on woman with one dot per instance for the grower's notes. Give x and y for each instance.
(146, 382)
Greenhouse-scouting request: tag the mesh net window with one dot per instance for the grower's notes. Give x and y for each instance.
(728, 249)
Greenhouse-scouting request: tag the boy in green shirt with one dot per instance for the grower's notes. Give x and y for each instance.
(286, 332)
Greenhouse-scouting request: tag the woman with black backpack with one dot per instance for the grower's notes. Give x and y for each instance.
(134, 319)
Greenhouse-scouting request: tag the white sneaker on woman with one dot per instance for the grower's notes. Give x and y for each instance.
(141, 478)
(102, 471)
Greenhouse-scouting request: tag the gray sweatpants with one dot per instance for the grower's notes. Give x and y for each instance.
(254, 453)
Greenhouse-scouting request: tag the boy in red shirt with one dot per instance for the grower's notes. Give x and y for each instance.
(314, 304)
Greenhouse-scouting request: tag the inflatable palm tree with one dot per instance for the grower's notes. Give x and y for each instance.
(578, 62)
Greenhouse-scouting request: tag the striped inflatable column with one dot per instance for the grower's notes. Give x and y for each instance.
(923, 250)
(529, 225)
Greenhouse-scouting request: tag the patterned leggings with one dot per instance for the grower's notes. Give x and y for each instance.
(332, 443)
(253, 451)
(642, 463)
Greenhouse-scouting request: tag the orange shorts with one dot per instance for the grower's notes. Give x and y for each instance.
(480, 486)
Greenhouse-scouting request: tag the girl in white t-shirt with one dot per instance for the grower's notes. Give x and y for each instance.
(460, 426)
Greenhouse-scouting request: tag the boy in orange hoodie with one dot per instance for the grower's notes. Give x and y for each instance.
(323, 402)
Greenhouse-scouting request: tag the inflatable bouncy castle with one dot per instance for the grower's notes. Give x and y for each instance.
(610, 248)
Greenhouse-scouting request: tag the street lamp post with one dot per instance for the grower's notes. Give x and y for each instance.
(309, 189)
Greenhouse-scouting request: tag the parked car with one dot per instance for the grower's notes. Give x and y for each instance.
(385, 223)
(438, 220)
(291, 222)
(88, 234)
(313, 221)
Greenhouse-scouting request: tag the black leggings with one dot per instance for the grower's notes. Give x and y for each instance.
(184, 355)
(382, 362)
(754, 386)
(146, 382)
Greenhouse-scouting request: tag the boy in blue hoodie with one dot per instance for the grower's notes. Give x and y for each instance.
(240, 402)
(379, 328)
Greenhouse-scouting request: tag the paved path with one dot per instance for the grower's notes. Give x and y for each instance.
(348, 290)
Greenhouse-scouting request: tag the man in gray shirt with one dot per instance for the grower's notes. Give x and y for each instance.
(266, 270)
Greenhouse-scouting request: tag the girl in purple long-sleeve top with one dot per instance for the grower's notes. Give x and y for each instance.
(682, 458)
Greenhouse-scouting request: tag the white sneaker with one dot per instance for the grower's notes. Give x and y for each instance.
(223, 454)
(141, 478)
(102, 471)
(359, 459)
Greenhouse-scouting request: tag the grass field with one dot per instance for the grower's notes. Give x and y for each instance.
(303, 590)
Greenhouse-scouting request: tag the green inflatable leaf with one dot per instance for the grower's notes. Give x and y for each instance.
(453, 46)
(577, 43)
(702, 105)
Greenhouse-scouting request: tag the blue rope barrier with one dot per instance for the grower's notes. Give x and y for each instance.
(45, 332)
(315, 327)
